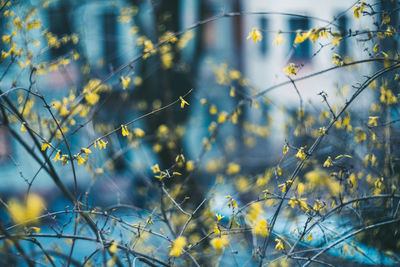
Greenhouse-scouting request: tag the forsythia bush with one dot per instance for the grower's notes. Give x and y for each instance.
(123, 159)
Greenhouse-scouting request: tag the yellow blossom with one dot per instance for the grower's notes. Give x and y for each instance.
(216, 230)
(232, 168)
(219, 216)
(261, 228)
(309, 238)
(219, 243)
(57, 156)
(80, 160)
(86, 150)
(279, 244)
(336, 40)
(100, 143)
(279, 171)
(279, 39)
(300, 188)
(155, 168)
(177, 247)
(183, 102)
(290, 69)
(113, 248)
(125, 82)
(28, 212)
(124, 130)
(213, 110)
(190, 165)
(337, 60)
(328, 162)
(358, 9)
(301, 153)
(255, 35)
(300, 37)
(232, 92)
(285, 185)
(373, 121)
(318, 205)
(45, 145)
(222, 116)
(139, 132)
(285, 149)
(23, 129)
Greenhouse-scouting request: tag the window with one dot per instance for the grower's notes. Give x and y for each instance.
(263, 28)
(302, 50)
(110, 40)
(342, 21)
(60, 26)
(5, 147)
(3, 31)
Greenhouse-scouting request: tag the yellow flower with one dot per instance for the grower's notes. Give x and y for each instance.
(279, 39)
(375, 49)
(255, 34)
(337, 60)
(222, 117)
(358, 9)
(28, 213)
(125, 82)
(292, 202)
(57, 156)
(86, 150)
(322, 131)
(80, 160)
(100, 143)
(23, 129)
(155, 168)
(219, 243)
(261, 228)
(336, 40)
(219, 216)
(309, 238)
(161, 175)
(213, 110)
(284, 185)
(231, 203)
(232, 168)
(6, 38)
(285, 149)
(328, 162)
(45, 145)
(139, 132)
(92, 98)
(183, 102)
(190, 165)
(113, 248)
(318, 205)
(216, 230)
(279, 244)
(232, 92)
(301, 154)
(64, 159)
(279, 171)
(124, 130)
(300, 188)
(290, 69)
(177, 246)
(301, 37)
(373, 121)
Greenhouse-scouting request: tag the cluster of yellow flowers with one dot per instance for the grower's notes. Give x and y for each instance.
(27, 213)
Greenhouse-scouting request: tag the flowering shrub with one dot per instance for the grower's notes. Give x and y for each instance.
(132, 163)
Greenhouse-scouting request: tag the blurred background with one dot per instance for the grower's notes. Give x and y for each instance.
(228, 138)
